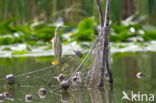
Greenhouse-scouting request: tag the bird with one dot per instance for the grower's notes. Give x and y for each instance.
(28, 97)
(57, 44)
(78, 53)
(42, 93)
(10, 79)
(141, 75)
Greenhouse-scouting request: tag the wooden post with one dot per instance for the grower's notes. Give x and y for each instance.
(101, 52)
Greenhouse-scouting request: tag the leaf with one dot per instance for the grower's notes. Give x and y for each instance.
(87, 23)
(20, 52)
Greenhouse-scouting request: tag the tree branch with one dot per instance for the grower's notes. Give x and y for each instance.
(101, 12)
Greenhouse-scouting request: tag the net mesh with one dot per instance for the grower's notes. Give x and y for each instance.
(67, 67)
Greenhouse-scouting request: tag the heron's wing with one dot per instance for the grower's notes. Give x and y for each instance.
(57, 48)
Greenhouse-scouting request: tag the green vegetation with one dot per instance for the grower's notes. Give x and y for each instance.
(34, 26)
(37, 33)
(73, 11)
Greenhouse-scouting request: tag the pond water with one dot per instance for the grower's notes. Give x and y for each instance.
(125, 67)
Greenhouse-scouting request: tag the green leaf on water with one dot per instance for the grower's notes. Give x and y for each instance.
(20, 52)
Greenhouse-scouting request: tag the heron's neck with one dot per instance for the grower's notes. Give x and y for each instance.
(56, 31)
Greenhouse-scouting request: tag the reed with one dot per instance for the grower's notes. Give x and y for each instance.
(71, 10)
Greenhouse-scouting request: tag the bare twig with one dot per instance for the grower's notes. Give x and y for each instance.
(101, 13)
(106, 41)
(107, 19)
(107, 13)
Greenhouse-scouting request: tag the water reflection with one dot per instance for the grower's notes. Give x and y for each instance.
(125, 67)
(101, 95)
(64, 96)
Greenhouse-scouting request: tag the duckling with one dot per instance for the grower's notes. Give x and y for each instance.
(42, 93)
(141, 75)
(28, 98)
(65, 85)
(78, 53)
(2, 97)
(10, 79)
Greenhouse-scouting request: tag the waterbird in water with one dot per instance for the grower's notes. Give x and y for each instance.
(141, 75)
(10, 79)
(57, 44)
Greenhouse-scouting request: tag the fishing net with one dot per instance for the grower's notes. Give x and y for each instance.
(68, 67)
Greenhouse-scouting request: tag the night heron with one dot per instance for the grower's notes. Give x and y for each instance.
(141, 75)
(57, 44)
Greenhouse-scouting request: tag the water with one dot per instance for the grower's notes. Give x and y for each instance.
(125, 66)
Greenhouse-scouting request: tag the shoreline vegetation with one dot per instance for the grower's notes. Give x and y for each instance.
(38, 35)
